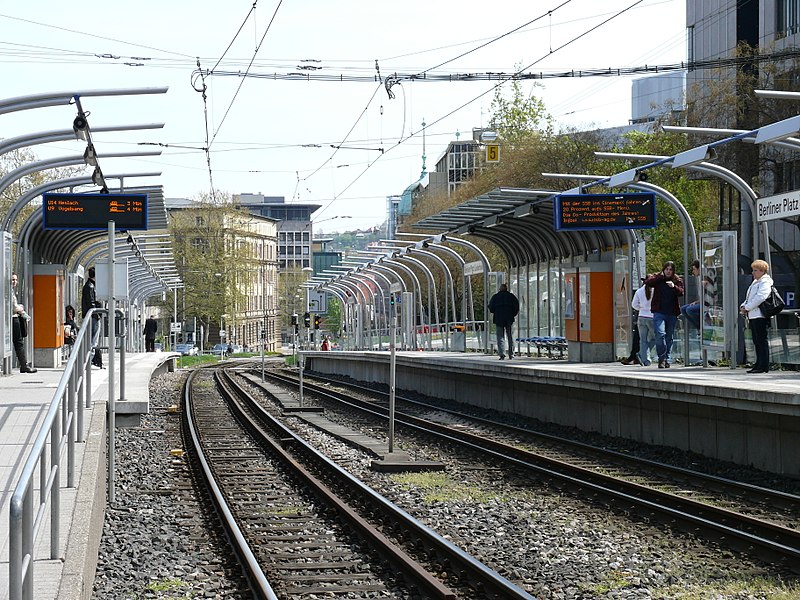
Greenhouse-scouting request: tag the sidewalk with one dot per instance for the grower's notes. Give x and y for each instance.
(24, 401)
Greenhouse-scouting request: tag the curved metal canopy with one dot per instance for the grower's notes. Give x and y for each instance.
(57, 246)
(521, 223)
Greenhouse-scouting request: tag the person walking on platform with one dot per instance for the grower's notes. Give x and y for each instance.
(19, 328)
(505, 307)
(667, 288)
(758, 291)
(150, 328)
(88, 302)
(647, 334)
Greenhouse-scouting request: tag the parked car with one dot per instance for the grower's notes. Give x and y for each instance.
(219, 349)
(158, 347)
(187, 349)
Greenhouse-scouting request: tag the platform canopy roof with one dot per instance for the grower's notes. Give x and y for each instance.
(521, 223)
(150, 248)
(58, 246)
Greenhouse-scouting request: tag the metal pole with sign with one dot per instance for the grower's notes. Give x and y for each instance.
(392, 371)
(100, 211)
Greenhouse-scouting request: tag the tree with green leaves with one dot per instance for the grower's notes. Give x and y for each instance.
(216, 259)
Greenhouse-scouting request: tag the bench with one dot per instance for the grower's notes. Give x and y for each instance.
(552, 345)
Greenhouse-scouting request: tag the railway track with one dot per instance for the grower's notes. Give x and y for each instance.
(743, 516)
(301, 526)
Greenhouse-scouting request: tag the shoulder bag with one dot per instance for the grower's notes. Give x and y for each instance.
(23, 326)
(773, 305)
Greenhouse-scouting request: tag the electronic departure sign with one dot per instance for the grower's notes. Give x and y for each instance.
(581, 212)
(94, 211)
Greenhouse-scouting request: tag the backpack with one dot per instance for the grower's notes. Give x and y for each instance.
(773, 305)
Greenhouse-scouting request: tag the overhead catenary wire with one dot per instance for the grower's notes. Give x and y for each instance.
(255, 53)
(505, 80)
(575, 73)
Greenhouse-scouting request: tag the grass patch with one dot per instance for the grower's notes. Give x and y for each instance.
(193, 361)
(440, 487)
(615, 580)
(171, 586)
(757, 588)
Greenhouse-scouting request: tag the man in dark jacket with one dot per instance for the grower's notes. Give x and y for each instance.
(88, 302)
(667, 288)
(505, 307)
(150, 328)
(19, 329)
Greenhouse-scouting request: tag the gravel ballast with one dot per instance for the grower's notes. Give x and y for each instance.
(156, 541)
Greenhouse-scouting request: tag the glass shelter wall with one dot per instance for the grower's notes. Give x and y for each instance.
(540, 290)
(625, 287)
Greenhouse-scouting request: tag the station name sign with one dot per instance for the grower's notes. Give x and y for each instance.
(779, 206)
(94, 211)
(580, 212)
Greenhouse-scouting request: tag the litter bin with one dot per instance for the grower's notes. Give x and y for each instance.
(458, 342)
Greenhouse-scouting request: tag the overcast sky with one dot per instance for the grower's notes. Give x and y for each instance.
(275, 136)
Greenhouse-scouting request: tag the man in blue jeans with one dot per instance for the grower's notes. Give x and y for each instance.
(505, 307)
(667, 288)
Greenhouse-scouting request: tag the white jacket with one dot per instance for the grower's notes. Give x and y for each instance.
(642, 303)
(756, 294)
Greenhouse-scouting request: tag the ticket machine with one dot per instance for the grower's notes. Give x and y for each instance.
(589, 312)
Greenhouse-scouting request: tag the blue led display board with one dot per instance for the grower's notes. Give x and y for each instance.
(581, 212)
(94, 211)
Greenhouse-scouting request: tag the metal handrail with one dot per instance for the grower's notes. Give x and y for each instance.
(64, 426)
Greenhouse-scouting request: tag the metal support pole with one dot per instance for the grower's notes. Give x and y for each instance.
(392, 371)
(122, 342)
(112, 408)
(300, 358)
(263, 333)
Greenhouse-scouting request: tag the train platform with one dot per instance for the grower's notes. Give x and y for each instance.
(722, 413)
(24, 401)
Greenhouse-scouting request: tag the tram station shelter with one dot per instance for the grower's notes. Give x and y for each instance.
(571, 283)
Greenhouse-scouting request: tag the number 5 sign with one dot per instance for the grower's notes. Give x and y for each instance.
(492, 153)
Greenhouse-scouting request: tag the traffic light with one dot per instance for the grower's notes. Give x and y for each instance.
(307, 320)
(294, 319)
(391, 300)
(317, 321)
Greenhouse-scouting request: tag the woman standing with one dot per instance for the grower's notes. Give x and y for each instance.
(647, 333)
(758, 291)
(667, 288)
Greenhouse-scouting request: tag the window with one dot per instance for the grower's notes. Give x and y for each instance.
(789, 176)
(200, 244)
(728, 206)
(787, 15)
(199, 221)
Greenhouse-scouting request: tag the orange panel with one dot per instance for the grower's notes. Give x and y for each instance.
(48, 311)
(601, 309)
